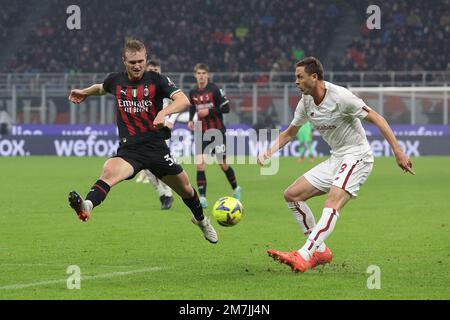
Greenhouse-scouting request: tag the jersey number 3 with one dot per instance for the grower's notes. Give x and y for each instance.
(170, 159)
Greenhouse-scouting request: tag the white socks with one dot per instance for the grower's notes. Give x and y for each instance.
(167, 189)
(302, 213)
(320, 232)
(162, 188)
(305, 219)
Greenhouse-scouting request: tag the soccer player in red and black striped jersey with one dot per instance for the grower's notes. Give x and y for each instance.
(145, 176)
(210, 103)
(139, 102)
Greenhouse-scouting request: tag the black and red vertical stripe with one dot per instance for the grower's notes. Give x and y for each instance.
(212, 120)
(136, 120)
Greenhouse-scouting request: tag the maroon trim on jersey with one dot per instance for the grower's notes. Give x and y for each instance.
(297, 207)
(144, 114)
(349, 174)
(123, 114)
(324, 229)
(133, 114)
(366, 109)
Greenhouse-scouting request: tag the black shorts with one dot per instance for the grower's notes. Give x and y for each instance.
(154, 156)
(211, 148)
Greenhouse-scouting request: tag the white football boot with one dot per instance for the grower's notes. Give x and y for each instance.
(207, 229)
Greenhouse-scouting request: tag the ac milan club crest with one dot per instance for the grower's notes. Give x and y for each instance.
(146, 92)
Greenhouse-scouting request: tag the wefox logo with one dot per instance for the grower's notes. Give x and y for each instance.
(12, 148)
(87, 147)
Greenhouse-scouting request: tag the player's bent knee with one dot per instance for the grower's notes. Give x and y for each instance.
(113, 173)
(291, 195)
(108, 173)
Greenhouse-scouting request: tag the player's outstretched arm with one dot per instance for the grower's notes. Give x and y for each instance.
(284, 138)
(79, 95)
(402, 159)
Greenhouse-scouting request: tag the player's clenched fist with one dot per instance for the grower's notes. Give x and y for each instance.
(77, 96)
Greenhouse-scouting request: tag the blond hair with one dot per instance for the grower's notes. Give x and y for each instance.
(133, 45)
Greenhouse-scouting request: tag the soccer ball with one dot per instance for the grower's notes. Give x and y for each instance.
(228, 211)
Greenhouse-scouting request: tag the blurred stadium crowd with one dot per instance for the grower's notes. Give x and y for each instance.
(414, 36)
(231, 36)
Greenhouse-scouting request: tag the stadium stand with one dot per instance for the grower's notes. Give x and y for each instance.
(250, 45)
(245, 36)
(413, 36)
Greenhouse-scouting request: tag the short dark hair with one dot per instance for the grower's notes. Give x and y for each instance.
(133, 45)
(154, 62)
(312, 65)
(201, 66)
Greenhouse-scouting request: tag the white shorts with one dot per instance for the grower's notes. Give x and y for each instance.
(345, 173)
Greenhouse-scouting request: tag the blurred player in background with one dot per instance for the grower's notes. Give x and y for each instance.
(145, 176)
(305, 136)
(209, 103)
(140, 116)
(5, 121)
(336, 113)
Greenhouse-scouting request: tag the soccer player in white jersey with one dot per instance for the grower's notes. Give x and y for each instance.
(145, 176)
(336, 113)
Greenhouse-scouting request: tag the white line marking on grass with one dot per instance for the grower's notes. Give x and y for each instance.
(83, 278)
(61, 265)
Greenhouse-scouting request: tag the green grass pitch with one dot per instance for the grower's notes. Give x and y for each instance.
(130, 249)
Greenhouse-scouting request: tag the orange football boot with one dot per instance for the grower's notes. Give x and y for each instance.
(292, 259)
(319, 258)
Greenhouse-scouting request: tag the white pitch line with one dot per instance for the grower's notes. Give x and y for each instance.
(83, 278)
(60, 265)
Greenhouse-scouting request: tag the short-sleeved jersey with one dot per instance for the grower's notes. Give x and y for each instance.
(138, 102)
(212, 98)
(338, 120)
